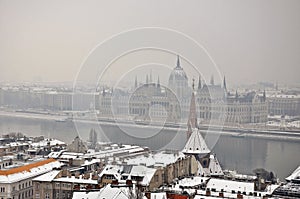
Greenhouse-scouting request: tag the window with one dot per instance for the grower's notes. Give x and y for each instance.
(47, 196)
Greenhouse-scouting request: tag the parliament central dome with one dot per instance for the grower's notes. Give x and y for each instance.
(177, 73)
(178, 81)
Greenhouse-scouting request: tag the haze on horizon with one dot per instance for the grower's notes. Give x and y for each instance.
(250, 41)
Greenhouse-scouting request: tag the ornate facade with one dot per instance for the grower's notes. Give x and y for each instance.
(153, 102)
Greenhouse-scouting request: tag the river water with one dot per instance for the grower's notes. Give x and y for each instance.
(240, 153)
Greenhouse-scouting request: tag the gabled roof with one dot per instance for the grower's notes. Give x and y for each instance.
(196, 144)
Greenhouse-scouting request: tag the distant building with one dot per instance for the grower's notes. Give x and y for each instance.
(93, 139)
(216, 103)
(77, 146)
(283, 104)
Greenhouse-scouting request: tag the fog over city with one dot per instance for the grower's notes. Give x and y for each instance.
(250, 41)
(137, 99)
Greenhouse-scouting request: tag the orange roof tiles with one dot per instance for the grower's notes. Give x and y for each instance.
(26, 167)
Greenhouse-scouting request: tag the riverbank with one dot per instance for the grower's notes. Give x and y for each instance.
(222, 130)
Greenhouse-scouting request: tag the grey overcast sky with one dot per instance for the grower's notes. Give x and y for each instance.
(250, 40)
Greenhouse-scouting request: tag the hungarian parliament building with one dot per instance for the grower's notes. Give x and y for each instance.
(153, 102)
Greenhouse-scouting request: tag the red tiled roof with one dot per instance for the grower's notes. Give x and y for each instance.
(26, 167)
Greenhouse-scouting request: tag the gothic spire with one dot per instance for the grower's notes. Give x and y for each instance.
(192, 121)
(103, 92)
(147, 79)
(199, 83)
(178, 62)
(135, 83)
(224, 83)
(193, 84)
(212, 81)
(158, 83)
(150, 76)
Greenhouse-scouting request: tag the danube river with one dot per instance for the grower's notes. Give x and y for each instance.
(236, 153)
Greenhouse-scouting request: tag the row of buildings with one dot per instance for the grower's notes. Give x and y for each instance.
(153, 100)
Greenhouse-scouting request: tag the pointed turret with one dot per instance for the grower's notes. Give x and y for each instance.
(212, 81)
(199, 83)
(236, 95)
(264, 95)
(151, 76)
(178, 62)
(158, 83)
(147, 80)
(103, 92)
(224, 84)
(135, 83)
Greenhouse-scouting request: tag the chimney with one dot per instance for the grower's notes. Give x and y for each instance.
(77, 174)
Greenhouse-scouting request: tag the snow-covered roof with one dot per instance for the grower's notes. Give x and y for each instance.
(283, 96)
(51, 142)
(47, 177)
(129, 170)
(196, 144)
(229, 185)
(55, 154)
(79, 180)
(192, 181)
(114, 150)
(105, 193)
(294, 175)
(28, 171)
(162, 158)
(51, 176)
(90, 162)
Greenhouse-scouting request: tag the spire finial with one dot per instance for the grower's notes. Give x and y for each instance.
(178, 62)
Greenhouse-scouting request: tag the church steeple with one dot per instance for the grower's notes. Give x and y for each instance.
(178, 62)
(192, 121)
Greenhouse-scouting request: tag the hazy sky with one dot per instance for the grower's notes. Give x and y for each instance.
(249, 40)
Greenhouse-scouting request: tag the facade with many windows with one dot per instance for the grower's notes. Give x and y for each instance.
(16, 183)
